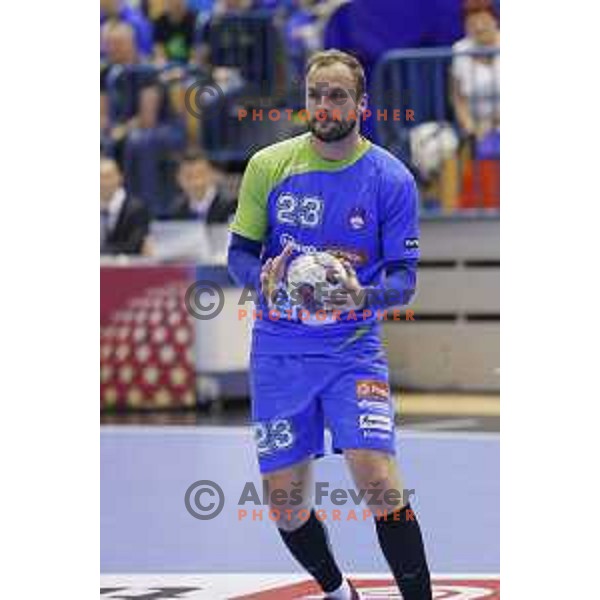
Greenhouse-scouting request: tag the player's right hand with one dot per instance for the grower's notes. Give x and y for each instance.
(273, 271)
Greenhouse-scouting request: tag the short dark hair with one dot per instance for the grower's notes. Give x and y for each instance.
(192, 156)
(327, 58)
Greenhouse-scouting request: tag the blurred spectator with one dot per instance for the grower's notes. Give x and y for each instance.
(306, 23)
(174, 33)
(302, 34)
(235, 50)
(475, 86)
(202, 197)
(124, 221)
(151, 141)
(118, 40)
(122, 75)
(222, 8)
(106, 142)
(120, 11)
(476, 79)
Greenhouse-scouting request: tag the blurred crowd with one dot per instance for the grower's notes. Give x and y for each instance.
(154, 160)
(150, 52)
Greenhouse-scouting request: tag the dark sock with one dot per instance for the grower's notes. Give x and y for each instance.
(310, 547)
(402, 545)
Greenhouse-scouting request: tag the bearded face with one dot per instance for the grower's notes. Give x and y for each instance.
(332, 102)
(332, 128)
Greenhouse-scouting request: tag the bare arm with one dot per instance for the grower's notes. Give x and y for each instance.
(461, 107)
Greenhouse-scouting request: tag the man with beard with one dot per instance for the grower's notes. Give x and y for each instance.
(330, 190)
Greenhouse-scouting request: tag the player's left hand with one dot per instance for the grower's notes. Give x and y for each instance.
(350, 293)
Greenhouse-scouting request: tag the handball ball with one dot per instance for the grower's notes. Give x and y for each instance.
(311, 278)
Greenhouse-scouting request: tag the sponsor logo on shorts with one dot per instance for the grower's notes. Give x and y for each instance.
(374, 405)
(379, 435)
(371, 388)
(381, 422)
(411, 243)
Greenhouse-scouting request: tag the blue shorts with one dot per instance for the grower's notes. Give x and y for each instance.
(294, 397)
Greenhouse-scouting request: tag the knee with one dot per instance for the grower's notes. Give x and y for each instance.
(370, 468)
(290, 502)
(377, 474)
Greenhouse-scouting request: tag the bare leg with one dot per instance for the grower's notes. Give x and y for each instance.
(303, 534)
(398, 531)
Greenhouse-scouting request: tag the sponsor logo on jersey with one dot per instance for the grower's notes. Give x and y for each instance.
(286, 238)
(411, 243)
(354, 256)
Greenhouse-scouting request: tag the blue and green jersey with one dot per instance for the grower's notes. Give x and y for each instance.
(364, 208)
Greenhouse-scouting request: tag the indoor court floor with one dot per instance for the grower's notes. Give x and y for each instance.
(152, 547)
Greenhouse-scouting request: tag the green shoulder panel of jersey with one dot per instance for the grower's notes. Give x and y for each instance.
(270, 166)
(265, 169)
